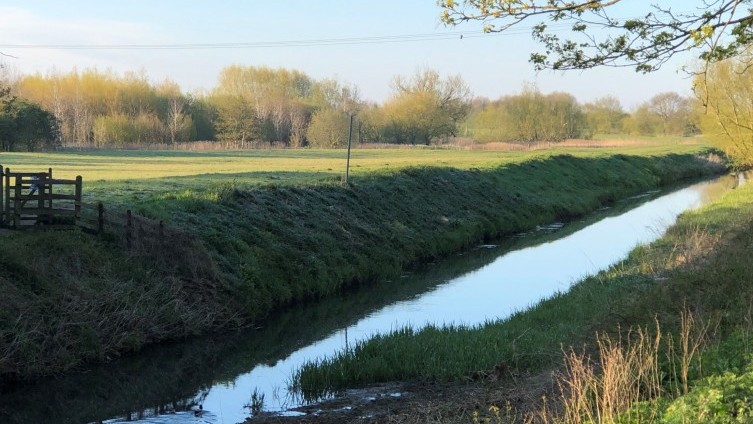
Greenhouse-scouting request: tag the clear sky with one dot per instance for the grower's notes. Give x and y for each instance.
(493, 65)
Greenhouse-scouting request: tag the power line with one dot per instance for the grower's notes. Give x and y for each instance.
(406, 38)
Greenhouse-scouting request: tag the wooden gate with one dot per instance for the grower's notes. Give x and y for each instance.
(36, 200)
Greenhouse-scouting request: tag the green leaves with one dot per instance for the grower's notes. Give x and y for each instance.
(597, 39)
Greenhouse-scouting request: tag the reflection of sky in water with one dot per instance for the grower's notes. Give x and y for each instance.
(512, 282)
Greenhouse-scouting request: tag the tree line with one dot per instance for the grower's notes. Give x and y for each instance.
(532, 117)
(251, 105)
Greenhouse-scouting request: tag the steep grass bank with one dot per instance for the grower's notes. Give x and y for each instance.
(701, 266)
(280, 245)
(75, 298)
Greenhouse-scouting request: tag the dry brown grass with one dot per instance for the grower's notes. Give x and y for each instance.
(626, 371)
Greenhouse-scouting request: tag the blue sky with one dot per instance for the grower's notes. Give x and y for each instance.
(493, 65)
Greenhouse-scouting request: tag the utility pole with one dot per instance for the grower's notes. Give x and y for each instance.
(347, 162)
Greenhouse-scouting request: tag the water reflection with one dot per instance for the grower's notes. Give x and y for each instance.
(166, 384)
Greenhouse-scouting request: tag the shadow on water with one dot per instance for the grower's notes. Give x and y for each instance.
(175, 378)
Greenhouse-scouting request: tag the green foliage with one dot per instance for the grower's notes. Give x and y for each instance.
(725, 398)
(236, 121)
(642, 122)
(423, 109)
(529, 117)
(203, 116)
(25, 126)
(103, 109)
(674, 112)
(604, 115)
(725, 91)
(717, 30)
(263, 103)
(328, 128)
(113, 129)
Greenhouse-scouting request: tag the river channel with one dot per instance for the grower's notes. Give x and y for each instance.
(165, 383)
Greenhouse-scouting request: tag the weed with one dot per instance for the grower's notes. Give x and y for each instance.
(256, 405)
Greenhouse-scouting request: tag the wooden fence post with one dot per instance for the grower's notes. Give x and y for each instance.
(100, 218)
(79, 190)
(49, 176)
(7, 196)
(17, 204)
(42, 183)
(129, 228)
(2, 196)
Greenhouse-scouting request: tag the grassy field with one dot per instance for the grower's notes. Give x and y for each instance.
(294, 166)
(265, 230)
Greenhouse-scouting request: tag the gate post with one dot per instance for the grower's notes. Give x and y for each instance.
(17, 204)
(77, 201)
(2, 196)
(7, 196)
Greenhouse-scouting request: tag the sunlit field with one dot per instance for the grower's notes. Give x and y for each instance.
(282, 166)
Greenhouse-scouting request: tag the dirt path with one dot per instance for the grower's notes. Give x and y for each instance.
(425, 403)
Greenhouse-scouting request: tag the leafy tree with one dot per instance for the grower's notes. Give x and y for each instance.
(272, 99)
(236, 120)
(425, 107)
(175, 107)
(726, 92)
(115, 130)
(332, 93)
(642, 122)
(488, 123)
(714, 29)
(605, 115)
(372, 122)
(24, 125)
(674, 111)
(79, 99)
(203, 116)
(328, 128)
(530, 117)
(665, 113)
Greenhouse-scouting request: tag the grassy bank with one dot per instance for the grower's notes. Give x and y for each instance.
(262, 247)
(699, 269)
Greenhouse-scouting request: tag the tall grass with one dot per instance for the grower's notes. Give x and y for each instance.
(633, 367)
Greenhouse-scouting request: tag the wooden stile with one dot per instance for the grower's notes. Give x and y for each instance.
(30, 199)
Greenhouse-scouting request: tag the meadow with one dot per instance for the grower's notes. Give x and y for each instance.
(295, 166)
(264, 230)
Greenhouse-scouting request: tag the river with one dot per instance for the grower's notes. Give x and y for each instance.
(165, 383)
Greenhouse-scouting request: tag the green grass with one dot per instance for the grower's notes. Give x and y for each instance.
(287, 166)
(265, 246)
(702, 263)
